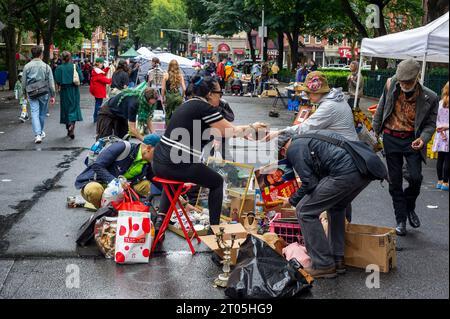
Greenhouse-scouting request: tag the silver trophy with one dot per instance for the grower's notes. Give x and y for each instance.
(222, 279)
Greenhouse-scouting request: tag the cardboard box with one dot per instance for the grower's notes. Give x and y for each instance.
(238, 201)
(179, 231)
(271, 93)
(241, 236)
(365, 245)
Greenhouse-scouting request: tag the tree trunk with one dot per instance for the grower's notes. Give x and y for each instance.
(38, 36)
(434, 9)
(48, 38)
(9, 34)
(293, 43)
(250, 44)
(280, 36)
(266, 46)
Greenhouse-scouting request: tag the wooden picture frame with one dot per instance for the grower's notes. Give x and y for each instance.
(237, 179)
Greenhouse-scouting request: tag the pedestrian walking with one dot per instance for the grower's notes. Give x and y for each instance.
(120, 78)
(275, 69)
(352, 81)
(301, 74)
(264, 79)
(330, 182)
(220, 72)
(19, 95)
(313, 66)
(87, 70)
(173, 89)
(406, 117)
(68, 78)
(99, 80)
(39, 87)
(134, 70)
(440, 143)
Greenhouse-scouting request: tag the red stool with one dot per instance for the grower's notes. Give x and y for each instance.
(178, 189)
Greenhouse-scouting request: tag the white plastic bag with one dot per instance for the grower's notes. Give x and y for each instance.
(113, 192)
(134, 236)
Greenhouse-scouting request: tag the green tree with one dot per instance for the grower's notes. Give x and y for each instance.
(164, 14)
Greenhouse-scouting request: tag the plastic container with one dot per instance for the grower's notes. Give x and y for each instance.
(286, 228)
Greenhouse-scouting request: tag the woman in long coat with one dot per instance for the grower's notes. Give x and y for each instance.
(69, 93)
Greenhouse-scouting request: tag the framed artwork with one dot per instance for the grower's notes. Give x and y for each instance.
(236, 181)
(275, 180)
(304, 112)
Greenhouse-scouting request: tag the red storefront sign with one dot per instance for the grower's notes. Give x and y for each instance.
(239, 51)
(223, 47)
(346, 52)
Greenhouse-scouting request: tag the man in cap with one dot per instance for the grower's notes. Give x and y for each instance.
(330, 182)
(406, 116)
(133, 161)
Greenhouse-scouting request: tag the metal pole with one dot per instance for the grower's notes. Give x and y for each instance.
(424, 64)
(107, 48)
(358, 82)
(262, 37)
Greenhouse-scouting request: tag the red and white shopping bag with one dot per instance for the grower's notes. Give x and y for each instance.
(134, 236)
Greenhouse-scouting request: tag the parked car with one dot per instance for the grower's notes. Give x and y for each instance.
(336, 66)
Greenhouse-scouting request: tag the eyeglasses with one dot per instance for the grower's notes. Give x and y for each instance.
(218, 92)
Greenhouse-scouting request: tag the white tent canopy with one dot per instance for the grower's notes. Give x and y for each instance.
(167, 57)
(146, 53)
(429, 43)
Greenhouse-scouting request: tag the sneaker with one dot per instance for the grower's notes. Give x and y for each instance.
(43, 135)
(439, 184)
(21, 119)
(38, 139)
(48, 114)
(444, 187)
(328, 273)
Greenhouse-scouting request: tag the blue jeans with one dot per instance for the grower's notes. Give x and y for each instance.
(98, 105)
(39, 110)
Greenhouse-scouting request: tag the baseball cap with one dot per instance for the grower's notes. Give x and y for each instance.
(151, 139)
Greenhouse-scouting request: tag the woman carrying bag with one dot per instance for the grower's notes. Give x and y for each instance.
(68, 78)
(173, 89)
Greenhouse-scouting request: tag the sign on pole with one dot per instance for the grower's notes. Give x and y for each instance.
(260, 32)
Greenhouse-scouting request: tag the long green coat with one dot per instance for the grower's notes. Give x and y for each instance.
(69, 94)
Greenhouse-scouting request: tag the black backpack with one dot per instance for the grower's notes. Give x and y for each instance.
(366, 160)
(86, 231)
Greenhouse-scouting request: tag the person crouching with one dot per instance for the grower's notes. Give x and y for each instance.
(135, 167)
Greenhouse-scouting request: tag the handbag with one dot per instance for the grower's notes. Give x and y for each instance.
(37, 89)
(76, 77)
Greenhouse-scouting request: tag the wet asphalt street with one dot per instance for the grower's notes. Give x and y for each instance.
(37, 230)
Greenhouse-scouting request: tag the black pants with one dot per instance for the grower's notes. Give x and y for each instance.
(397, 150)
(442, 166)
(199, 174)
(109, 124)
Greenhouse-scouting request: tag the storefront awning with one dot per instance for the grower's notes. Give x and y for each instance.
(239, 51)
(223, 48)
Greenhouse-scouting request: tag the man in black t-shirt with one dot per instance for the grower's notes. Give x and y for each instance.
(118, 115)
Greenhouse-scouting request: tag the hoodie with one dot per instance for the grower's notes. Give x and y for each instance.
(333, 113)
(99, 80)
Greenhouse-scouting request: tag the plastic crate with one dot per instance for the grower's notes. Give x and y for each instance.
(286, 228)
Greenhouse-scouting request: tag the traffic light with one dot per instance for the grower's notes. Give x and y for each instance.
(125, 33)
(210, 47)
(161, 34)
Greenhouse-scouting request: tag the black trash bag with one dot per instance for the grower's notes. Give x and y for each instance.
(262, 273)
(86, 231)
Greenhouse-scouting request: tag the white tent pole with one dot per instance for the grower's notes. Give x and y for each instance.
(358, 81)
(424, 64)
